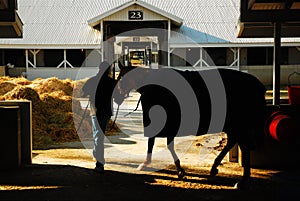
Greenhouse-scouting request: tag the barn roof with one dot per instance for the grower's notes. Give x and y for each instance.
(67, 23)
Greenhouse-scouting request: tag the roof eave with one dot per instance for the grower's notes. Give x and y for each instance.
(174, 19)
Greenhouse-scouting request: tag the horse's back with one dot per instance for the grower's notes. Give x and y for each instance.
(244, 100)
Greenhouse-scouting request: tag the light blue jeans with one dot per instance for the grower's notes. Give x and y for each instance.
(98, 136)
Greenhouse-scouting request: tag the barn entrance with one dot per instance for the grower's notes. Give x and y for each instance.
(136, 32)
(142, 44)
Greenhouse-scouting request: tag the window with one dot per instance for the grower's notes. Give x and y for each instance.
(217, 55)
(76, 57)
(264, 55)
(15, 57)
(53, 57)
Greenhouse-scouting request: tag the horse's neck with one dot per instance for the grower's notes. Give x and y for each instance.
(141, 76)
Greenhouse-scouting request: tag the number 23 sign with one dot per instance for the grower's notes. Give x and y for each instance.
(135, 15)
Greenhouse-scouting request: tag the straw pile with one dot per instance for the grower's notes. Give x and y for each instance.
(54, 108)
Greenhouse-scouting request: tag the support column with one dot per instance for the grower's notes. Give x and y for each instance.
(276, 63)
(27, 59)
(201, 57)
(236, 57)
(65, 61)
(28, 62)
(101, 40)
(169, 35)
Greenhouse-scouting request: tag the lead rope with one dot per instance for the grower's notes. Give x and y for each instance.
(113, 124)
(134, 109)
(117, 112)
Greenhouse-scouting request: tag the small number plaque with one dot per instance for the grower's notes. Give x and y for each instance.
(135, 15)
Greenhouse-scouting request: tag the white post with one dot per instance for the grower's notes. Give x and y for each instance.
(34, 53)
(34, 57)
(238, 57)
(65, 58)
(101, 40)
(169, 35)
(201, 57)
(65, 62)
(27, 60)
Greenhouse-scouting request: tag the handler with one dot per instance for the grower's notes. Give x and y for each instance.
(100, 88)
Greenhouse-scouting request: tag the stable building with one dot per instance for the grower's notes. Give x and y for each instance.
(62, 37)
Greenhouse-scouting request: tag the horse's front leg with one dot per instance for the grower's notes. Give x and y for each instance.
(143, 165)
(180, 170)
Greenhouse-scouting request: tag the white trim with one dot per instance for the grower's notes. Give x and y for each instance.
(47, 46)
(176, 20)
(186, 45)
(172, 45)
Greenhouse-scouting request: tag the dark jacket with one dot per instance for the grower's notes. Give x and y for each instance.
(100, 88)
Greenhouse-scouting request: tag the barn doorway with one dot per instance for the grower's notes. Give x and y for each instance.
(139, 43)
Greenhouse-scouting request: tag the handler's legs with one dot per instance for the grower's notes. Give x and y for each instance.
(98, 136)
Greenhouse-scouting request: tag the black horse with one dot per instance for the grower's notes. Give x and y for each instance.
(197, 103)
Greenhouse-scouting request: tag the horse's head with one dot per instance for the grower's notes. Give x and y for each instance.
(130, 79)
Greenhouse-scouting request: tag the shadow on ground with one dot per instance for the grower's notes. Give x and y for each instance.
(66, 182)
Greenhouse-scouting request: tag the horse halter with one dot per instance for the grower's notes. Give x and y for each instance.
(122, 90)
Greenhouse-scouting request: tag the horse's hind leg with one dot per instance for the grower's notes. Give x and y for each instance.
(149, 154)
(246, 168)
(230, 143)
(180, 170)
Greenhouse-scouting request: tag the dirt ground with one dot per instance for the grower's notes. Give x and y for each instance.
(65, 172)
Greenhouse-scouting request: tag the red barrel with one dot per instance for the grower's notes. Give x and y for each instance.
(294, 95)
(282, 127)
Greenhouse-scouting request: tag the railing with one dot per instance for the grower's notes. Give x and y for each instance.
(76, 73)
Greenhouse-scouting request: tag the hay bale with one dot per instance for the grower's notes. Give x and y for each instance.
(5, 79)
(52, 84)
(20, 92)
(6, 87)
(20, 81)
(54, 108)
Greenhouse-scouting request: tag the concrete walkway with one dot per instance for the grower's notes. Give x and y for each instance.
(126, 150)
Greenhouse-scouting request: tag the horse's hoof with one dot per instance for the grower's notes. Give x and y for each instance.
(142, 167)
(181, 174)
(242, 185)
(214, 172)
